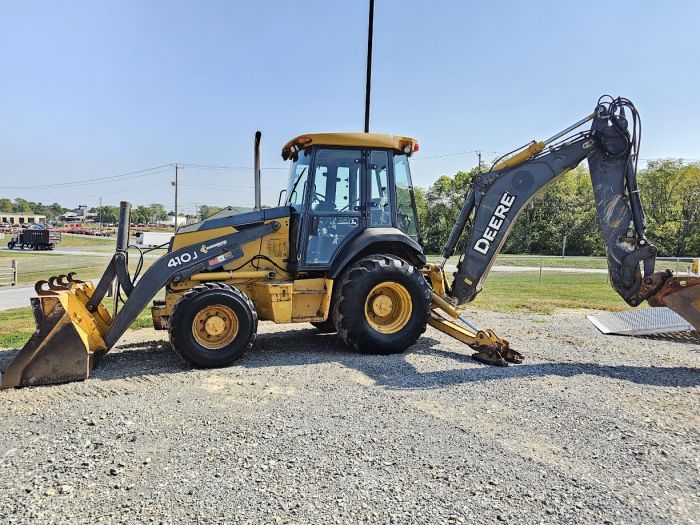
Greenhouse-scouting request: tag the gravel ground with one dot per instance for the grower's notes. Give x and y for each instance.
(590, 429)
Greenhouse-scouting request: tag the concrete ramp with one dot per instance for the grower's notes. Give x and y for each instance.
(645, 321)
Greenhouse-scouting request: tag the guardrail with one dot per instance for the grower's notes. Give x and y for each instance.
(8, 276)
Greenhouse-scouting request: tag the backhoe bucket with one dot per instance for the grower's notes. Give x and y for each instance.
(682, 295)
(68, 338)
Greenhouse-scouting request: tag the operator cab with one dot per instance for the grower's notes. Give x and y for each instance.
(340, 185)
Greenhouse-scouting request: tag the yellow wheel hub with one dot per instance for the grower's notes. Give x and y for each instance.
(388, 307)
(214, 327)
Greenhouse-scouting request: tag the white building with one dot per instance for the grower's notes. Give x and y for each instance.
(21, 218)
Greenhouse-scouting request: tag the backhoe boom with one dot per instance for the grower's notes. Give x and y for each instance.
(496, 198)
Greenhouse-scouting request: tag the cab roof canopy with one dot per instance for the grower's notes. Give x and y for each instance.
(358, 140)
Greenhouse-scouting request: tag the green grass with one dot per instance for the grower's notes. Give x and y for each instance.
(71, 240)
(17, 324)
(523, 292)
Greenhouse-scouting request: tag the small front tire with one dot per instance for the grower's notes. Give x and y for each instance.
(213, 325)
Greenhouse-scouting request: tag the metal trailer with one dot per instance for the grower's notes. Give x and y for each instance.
(35, 239)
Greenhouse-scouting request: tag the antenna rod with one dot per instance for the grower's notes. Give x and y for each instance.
(369, 63)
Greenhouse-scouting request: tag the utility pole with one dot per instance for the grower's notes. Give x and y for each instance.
(369, 63)
(478, 156)
(100, 213)
(177, 172)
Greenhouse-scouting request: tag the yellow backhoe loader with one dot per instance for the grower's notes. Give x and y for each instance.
(344, 254)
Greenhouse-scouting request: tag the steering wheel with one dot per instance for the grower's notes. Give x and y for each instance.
(320, 198)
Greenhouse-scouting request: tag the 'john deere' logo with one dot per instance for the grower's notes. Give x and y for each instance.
(204, 249)
(498, 218)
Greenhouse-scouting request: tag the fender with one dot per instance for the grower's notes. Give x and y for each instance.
(378, 240)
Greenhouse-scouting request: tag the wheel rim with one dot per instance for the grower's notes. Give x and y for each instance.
(388, 307)
(215, 326)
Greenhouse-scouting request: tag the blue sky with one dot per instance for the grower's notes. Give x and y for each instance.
(95, 89)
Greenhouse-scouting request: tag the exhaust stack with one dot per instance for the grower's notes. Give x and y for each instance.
(256, 169)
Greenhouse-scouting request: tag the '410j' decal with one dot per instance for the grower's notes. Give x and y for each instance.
(185, 258)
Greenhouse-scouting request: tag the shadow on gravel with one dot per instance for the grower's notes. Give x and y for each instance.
(395, 371)
(307, 347)
(680, 376)
(684, 338)
(138, 359)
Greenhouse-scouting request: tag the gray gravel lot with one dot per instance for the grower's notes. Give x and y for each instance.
(590, 429)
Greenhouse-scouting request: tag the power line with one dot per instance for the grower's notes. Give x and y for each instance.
(190, 182)
(121, 191)
(96, 180)
(457, 154)
(210, 186)
(230, 168)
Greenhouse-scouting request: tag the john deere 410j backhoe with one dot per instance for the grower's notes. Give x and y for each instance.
(344, 254)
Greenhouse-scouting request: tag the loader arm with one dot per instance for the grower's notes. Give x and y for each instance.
(496, 198)
(74, 328)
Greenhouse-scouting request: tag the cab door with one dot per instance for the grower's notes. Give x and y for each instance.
(335, 203)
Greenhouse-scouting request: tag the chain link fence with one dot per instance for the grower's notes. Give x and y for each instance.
(541, 266)
(30, 268)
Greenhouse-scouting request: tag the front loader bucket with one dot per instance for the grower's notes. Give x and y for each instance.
(682, 295)
(68, 338)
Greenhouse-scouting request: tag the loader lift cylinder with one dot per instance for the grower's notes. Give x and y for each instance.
(122, 246)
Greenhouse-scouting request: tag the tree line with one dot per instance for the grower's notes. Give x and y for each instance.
(670, 191)
(107, 214)
(20, 205)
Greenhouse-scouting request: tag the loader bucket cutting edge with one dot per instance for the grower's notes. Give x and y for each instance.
(67, 341)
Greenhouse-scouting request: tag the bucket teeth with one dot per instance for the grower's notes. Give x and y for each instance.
(56, 284)
(71, 280)
(41, 291)
(68, 338)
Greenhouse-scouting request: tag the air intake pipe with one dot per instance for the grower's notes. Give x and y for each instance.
(256, 169)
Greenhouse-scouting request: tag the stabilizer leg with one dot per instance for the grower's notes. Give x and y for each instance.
(491, 349)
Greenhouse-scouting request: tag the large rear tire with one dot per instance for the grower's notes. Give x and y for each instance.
(212, 325)
(383, 305)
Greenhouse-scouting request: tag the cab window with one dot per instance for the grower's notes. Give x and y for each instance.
(336, 198)
(406, 218)
(298, 176)
(379, 208)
